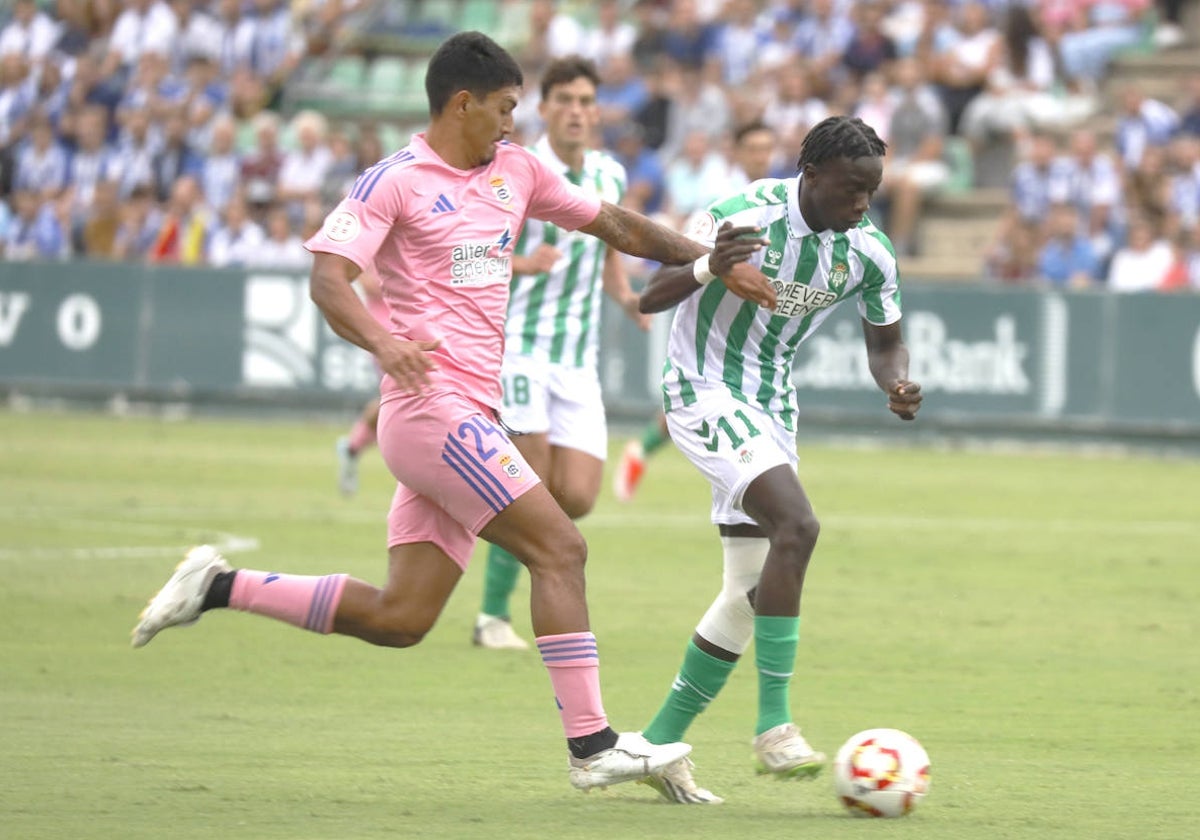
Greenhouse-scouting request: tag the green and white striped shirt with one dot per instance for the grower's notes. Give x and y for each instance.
(555, 316)
(719, 337)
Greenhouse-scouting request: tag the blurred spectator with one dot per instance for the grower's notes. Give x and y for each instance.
(98, 232)
(281, 248)
(204, 97)
(1020, 92)
(343, 168)
(35, 233)
(736, 42)
(140, 222)
(1067, 260)
(18, 95)
(175, 158)
(6, 221)
(650, 22)
(30, 33)
(143, 26)
(876, 103)
(41, 161)
(821, 38)
(136, 149)
(698, 176)
(260, 167)
(1183, 187)
(1090, 179)
(552, 34)
(870, 50)
(238, 239)
(221, 169)
(1190, 120)
(276, 46)
(688, 40)
(915, 168)
(303, 170)
(53, 90)
(184, 226)
(94, 161)
(1089, 33)
(696, 105)
(199, 34)
(1148, 188)
(754, 150)
(643, 170)
(621, 94)
(611, 35)
(1143, 263)
(962, 70)
(1143, 122)
(792, 108)
(235, 34)
(1012, 258)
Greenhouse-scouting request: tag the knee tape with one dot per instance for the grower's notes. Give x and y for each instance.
(729, 622)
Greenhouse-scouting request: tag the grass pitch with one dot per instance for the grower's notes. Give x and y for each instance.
(1030, 618)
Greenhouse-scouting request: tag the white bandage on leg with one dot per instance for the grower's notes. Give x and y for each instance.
(729, 622)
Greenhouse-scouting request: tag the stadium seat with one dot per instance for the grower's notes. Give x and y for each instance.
(443, 13)
(481, 15)
(347, 73)
(957, 153)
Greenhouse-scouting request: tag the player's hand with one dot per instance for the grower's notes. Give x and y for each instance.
(734, 245)
(409, 363)
(543, 259)
(748, 283)
(904, 399)
(629, 305)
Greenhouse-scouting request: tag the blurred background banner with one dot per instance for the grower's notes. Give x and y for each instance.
(983, 355)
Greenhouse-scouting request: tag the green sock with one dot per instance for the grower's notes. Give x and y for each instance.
(775, 641)
(700, 679)
(653, 437)
(499, 581)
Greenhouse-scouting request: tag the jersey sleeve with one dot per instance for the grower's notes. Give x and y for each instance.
(552, 199)
(357, 226)
(879, 302)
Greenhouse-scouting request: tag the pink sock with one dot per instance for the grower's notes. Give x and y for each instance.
(574, 667)
(308, 602)
(361, 436)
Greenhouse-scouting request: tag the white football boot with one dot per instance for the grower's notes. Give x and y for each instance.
(178, 602)
(496, 633)
(783, 752)
(674, 783)
(630, 759)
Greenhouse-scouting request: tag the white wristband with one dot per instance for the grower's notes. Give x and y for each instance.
(700, 271)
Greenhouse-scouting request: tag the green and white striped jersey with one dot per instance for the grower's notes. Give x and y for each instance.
(716, 337)
(555, 316)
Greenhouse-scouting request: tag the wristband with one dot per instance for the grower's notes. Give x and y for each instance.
(700, 271)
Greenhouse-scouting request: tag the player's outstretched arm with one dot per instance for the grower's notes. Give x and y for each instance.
(887, 357)
(727, 260)
(639, 236)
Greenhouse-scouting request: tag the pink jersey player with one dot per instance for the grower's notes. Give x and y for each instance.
(438, 220)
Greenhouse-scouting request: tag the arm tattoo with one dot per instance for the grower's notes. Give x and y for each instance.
(638, 236)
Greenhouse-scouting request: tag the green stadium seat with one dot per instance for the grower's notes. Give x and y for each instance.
(957, 153)
(481, 15)
(347, 73)
(441, 12)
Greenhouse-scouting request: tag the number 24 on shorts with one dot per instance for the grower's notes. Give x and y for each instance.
(712, 436)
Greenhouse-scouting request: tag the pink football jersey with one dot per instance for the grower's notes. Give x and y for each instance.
(442, 241)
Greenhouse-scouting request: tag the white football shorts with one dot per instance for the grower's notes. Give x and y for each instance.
(732, 444)
(565, 402)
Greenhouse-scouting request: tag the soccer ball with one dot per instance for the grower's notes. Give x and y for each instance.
(881, 773)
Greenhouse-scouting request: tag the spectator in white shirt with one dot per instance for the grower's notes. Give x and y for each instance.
(304, 169)
(221, 169)
(282, 248)
(1143, 262)
(30, 33)
(143, 25)
(42, 162)
(610, 36)
(239, 239)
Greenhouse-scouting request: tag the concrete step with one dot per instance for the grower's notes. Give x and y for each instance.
(950, 238)
(967, 269)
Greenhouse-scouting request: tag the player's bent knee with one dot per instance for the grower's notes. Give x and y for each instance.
(797, 536)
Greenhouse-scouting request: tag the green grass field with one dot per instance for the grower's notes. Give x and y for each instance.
(1031, 618)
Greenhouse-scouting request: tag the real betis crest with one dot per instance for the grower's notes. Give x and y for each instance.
(839, 274)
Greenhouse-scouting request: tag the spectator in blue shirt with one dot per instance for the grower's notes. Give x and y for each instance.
(645, 178)
(1067, 260)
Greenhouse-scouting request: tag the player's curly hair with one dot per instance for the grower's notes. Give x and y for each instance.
(839, 137)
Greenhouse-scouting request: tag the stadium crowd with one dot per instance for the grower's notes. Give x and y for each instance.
(154, 130)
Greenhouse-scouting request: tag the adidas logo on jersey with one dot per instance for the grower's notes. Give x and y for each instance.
(442, 205)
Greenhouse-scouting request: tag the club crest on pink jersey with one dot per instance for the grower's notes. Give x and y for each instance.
(500, 190)
(342, 226)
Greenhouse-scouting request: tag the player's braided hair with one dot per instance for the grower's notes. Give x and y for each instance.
(838, 137)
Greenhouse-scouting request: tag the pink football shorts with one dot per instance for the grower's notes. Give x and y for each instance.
(456, 466)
